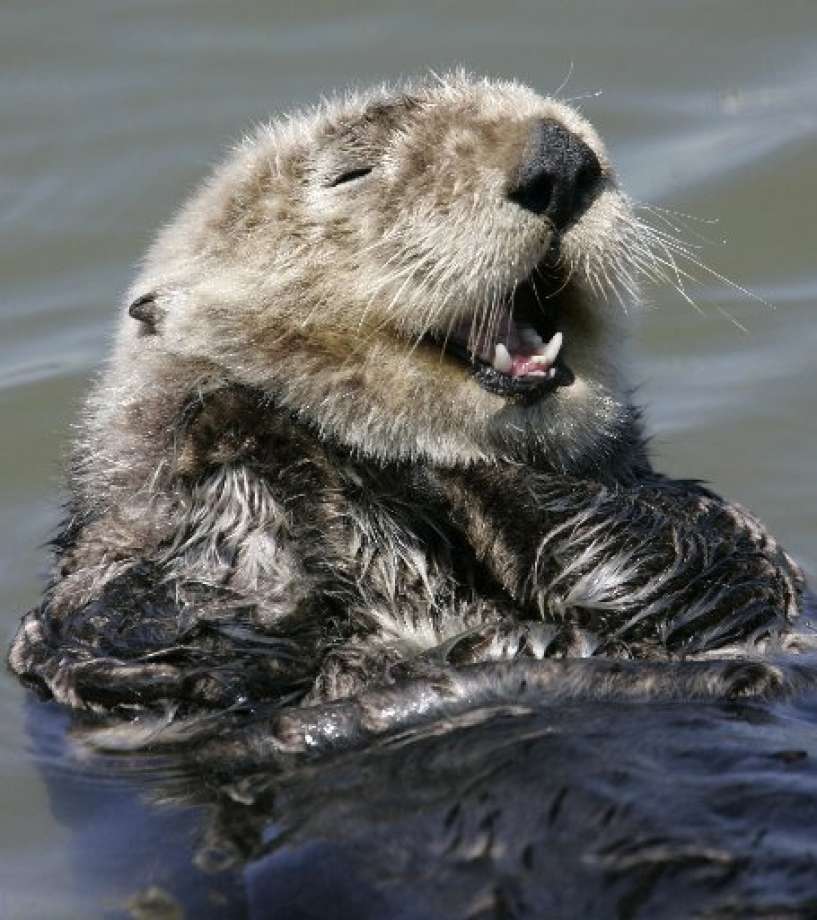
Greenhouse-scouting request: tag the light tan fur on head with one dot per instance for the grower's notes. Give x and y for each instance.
(321, 293)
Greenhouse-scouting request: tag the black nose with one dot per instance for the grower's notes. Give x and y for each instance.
(559, 177)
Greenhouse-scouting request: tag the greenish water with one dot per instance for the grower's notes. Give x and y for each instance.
(112, 111)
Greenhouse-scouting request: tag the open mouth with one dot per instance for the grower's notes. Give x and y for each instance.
(517, 349)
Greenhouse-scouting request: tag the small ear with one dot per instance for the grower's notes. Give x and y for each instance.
(146, 309)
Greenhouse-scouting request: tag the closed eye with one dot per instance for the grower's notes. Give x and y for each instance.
(350, 176)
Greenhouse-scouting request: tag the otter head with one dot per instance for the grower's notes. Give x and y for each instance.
(429, 271)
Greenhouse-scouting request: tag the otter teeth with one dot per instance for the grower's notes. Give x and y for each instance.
(502, 359)
(551, 351)
(524, 364)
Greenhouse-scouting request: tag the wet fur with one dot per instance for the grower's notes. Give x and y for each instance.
(268, 563)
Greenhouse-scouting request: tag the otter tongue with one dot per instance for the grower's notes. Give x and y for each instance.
(523, 366)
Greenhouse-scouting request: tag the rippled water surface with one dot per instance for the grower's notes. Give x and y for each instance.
(112, 111)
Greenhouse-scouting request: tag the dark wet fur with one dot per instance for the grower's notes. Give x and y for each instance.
(422, 547)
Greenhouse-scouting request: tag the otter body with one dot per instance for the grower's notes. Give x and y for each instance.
(364, 532)
(284, 565)
(367, 412)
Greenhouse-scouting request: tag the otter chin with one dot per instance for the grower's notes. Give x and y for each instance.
(367, 419)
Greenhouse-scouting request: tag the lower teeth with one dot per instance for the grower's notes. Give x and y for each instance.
(539, 363)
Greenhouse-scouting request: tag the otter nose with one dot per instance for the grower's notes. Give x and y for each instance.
(559, 175)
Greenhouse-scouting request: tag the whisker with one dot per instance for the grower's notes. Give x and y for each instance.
(724, 312)
(564, 82)
(672, 246)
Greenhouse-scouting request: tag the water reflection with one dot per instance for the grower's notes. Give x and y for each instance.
(521, 804)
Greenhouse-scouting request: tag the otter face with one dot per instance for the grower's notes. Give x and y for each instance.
(434, 271)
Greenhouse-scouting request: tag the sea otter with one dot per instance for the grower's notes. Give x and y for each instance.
(368, 417)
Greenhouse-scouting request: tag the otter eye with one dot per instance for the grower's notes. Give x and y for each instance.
(350, 176)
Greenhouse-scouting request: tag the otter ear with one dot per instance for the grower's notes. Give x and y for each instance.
(148, 311)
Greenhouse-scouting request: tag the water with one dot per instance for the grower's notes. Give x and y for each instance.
(111, 113)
